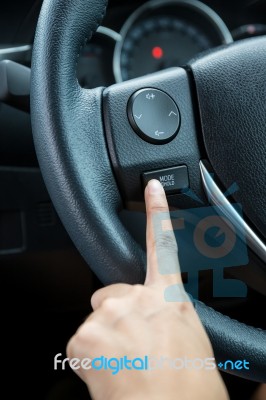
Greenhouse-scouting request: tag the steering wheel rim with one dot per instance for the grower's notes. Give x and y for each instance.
(62, 116)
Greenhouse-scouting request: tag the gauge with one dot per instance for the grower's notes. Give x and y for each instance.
(95, 62)
(163, 34)
(155, 44)
(248, 31)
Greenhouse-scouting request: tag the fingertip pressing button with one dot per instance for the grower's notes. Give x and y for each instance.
(174, 180)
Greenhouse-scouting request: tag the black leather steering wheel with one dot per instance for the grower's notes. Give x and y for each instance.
(92, 159)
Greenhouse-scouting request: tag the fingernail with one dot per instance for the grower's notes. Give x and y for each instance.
(155, 187)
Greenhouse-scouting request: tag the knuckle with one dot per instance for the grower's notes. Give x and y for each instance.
(138, 290)
(186, 307)
(88, 332)
(95, 297)
(109, 306)
(70, 347)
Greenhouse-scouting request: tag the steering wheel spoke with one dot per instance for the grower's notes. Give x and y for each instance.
(139, 115)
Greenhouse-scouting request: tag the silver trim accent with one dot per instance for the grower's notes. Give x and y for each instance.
(17, 53)
(109, 32)
(23, 53)
(218, 199)
(202, 8)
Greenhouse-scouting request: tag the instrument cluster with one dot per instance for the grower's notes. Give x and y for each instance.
(159, 34)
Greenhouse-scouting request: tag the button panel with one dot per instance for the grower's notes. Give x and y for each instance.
(174, 180)
(154, 115)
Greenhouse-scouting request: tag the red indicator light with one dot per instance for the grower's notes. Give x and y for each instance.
(251, 29)
(157, 52)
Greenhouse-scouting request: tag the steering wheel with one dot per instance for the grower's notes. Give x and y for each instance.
(92, 155)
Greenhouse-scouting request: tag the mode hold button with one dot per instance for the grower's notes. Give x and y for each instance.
(174, 180)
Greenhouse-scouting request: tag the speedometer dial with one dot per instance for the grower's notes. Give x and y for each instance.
(159, 43)
(166, 34)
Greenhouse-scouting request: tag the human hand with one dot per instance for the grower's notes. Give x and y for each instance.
(136, 321)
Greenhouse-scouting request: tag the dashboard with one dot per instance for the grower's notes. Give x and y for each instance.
(138, 38)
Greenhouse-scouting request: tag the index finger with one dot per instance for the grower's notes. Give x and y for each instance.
(163, 268)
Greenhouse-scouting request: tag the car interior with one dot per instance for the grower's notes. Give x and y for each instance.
(93, 104)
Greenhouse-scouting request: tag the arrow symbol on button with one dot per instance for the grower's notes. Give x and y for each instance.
(157, 133)
(172, 113)
(138, 116)
(150, 96)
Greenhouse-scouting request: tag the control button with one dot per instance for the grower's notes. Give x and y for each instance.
(174, 180)
(153, 115)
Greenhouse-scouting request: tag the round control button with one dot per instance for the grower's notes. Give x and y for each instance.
(154, 115)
